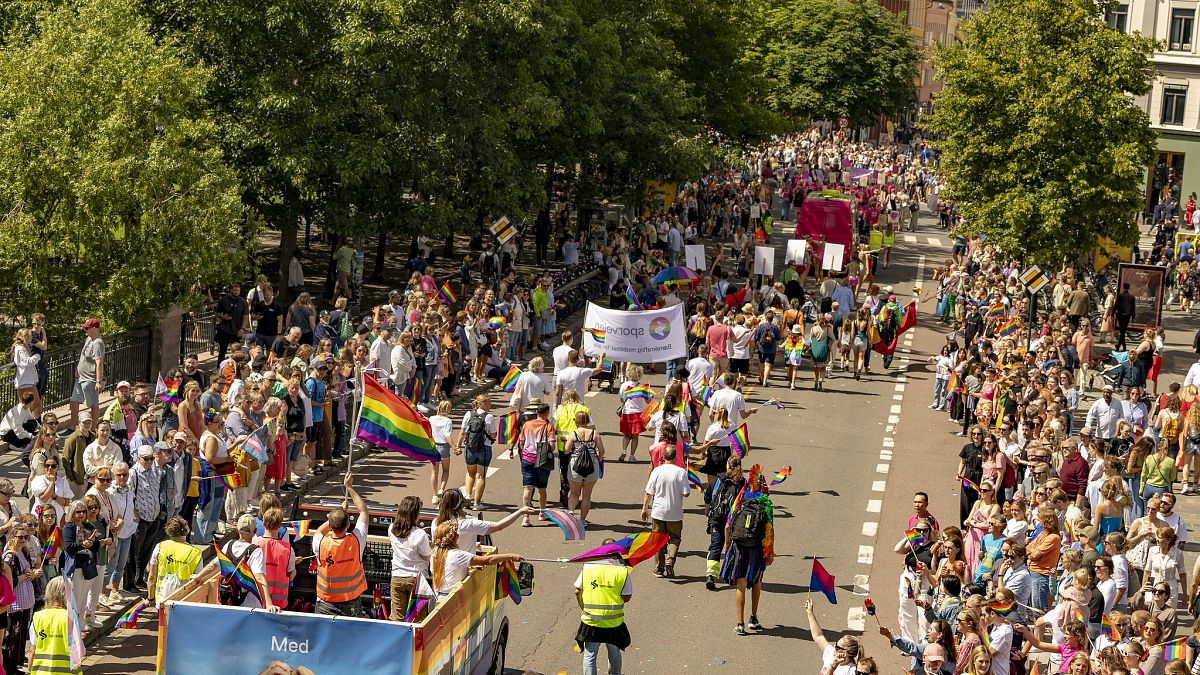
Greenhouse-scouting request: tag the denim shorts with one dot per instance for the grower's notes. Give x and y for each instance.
(531, 476)
(443, 449)
(481, 457)
(293, 450)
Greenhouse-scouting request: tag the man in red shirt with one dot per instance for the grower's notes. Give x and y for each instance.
(1074, 471)
(921, 510)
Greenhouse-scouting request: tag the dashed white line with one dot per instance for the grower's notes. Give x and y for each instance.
(591, 393)
(893, 419)
(900, 387)
(910, 239)
(862, 583)
(882, 468)
(897, 397)
(866, 554)
(856, 619)
(874, 506)
(895, 410)
(869, 529)
(934, 241)
(879, 486)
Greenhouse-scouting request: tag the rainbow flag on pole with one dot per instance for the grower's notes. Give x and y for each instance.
(739, 440)
(1012, 326)
(633, 550)
(996, 311)
(914, 537)
(652, 408)
(632, 298)
(240, 572)
(597, 334)
(1109, 628)
(391, 422)
(693, 477)
(447, 294)
(509, 381)
(52, 546)
(1174, 649)
(506, 432)
(781, 475)
(507, 582)
(129, 619)
(167, 390)
(230, 480)
(642, 391)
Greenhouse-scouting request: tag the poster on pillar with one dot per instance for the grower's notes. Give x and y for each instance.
(764, 260)
(834, 254)
(649, 336)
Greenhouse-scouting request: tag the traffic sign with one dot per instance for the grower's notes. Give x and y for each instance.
(1034, 279)
(503, 230)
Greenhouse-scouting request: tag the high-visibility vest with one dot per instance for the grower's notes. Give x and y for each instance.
(603, 606)
(875, 240)
(889, 239)
(340, 576)
(178, 558)
(276, 554)
(52, 651)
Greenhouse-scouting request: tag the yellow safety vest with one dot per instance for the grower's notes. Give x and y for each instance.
(52, 651)
(603, 606)
(875, 240)
(889, 239)
(178, 558)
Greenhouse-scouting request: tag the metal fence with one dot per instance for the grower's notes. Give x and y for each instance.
(127, 356)
(196, 333)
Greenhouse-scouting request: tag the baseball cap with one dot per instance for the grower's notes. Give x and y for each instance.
(146, 451)
(179, 435)
(91, 323)
(246, 523)
(935, 652)
(85, 416)
(123, 384)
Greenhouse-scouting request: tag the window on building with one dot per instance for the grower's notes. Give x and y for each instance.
(1173, 104)
(1118, 18)
(1183, 25)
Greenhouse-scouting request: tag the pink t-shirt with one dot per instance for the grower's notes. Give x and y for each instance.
(718, 338)
(656, 455)
(1067, 652)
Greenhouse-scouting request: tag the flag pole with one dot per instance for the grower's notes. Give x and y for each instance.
(362, 399)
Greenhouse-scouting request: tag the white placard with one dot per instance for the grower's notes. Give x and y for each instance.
(650, 336)
(755, 211)
(693, 256)
(764, 260)
(832, 259)
(795, 251)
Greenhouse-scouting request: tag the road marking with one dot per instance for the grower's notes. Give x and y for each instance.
(893, 419)
(592, 393)
(869, 529)
(866, 554)
(882, 468)
(895, 410)
(856, 619)
(879, 486)
(862, 583)
(874, 506)
(900, 387)
(934, 241)
(490, 472)
(897, 397)
(910, 239)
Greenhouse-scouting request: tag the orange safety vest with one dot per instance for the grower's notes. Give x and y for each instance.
(340, 576)
(276, 554)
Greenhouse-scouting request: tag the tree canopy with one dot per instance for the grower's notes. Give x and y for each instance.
(1044, 146)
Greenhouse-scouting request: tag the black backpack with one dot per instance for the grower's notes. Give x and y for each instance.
(749, 523)
(476, 431)
(720, 496)
(231, 592)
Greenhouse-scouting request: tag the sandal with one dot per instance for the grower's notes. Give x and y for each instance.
(621, 458)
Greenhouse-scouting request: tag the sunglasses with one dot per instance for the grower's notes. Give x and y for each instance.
(103, 480)
(1160, 592)
(51, 466)
(93, 508)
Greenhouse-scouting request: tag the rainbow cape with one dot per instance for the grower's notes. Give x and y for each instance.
(632, 550)
(642, 391)
(447, 294)
(509, 381)
(391, 422)
(507, 582)
(739, 440)
(240, 572)
(597, 334)
(506, 430)
(129, 619)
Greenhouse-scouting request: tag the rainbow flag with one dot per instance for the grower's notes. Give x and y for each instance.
(652, 408)
(167, 390)
(704, 393)
(996, 311)
(1109, 628)
(415, 610)
(300, 527)
(781, 475)
(507, 582)
(739, 440)
(447, 294)
(954, 384)
(412, 389)
(984, 636)
(970, 484)
(773, 401)
(1078, 614)
(378, 609)
(693, 477)
(1009, 328)
(509, 381)
(129, 619)
(629, 295)
(230, 480)
(506, 431)
(52, 546)
(870, 605)
(391, 422)
(572, 526)
(642, 391)
(240, 572)
(597, 334)
(1002, 608)
(606, 364)
(497, 322)
(1173, 650)
(632, 550)
(914, 537)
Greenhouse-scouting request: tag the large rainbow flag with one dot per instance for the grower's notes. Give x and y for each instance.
(391, 422)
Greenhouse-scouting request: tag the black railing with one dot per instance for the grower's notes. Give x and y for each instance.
(196, 331)
(127, 356)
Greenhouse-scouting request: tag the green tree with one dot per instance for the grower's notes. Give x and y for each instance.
(113, 193)
(1044, 145)
(825, 59)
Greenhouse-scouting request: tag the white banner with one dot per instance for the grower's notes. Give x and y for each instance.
(693, 254)
(795, 251)
(651, 336)
(764, 260)
(833, 257)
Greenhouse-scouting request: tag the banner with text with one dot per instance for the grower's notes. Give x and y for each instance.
(650, 336)
(236, 640)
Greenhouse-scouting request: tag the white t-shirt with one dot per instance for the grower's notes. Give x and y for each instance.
(575, 377)
(457, 567)
(1002, 637)
(677, 418)
(490, 424)
(827, 657)
(560, 354)
(441, 426)
(410, 555)
(469, 530)
(739, 348)
(528, 386)
(632, 405)
(731, 400)
(61, 489)
(669, 485)
(258, 565)
(717, 431)
(699, 369)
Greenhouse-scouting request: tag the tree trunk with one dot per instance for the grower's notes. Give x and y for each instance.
(448, 249)
(287, 250)
(380, 254)
(330, 268)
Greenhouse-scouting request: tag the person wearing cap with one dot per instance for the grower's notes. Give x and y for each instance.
(244, 547)
(89, 372)
(146, 479)
(1104, 414)
(318, 446)
(122, 417)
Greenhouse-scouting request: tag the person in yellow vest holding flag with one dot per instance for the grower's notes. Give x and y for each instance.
(889, 240)
(49, 635)
(340, 575)
(602, 590)
(172, 562)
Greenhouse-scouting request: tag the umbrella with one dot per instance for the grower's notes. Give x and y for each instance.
(676, 275)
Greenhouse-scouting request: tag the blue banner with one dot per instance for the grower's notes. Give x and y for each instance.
(216, 640)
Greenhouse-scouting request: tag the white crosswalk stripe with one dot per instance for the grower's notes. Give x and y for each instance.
(910, 239)
(934, 241)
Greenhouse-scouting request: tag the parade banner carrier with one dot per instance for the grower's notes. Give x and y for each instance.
(650, 336)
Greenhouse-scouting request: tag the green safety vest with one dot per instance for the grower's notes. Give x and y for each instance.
(889, 239)
(603, 606)
(875, 241)
(52, 651)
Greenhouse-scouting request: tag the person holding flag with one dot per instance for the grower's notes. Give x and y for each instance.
(917, 548)
(840, 658)
(278, 559)
(749, 549)
(602, 589)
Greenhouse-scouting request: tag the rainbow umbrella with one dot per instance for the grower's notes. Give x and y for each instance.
(676, 275)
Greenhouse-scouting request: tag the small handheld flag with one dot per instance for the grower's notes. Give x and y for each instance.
(506, 430)
(1173, 650)
(573, 528)
(129, 619)
(739, 441)
(1010, 327)
(1109, 628)
(597, 334)
(509, 381)
(415, 611)
(632, 298)
(781, 475)
(633, 550)
(53, 544)
(651, 408)
(914, 537)
(507, 582)
(255, 446)
(300, 527)
(378, 609)
(773, 401)
(240, 572)
(447, 294)
(970, 484)
(693, 477)
(870, 605)
(822, 581)
(167, 390)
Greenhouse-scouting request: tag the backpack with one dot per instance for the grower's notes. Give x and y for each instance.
(720, 498)
(231, 592)
(476, 432)
(581, 459)
(545, 453)
(749, 523)
(769, 335)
